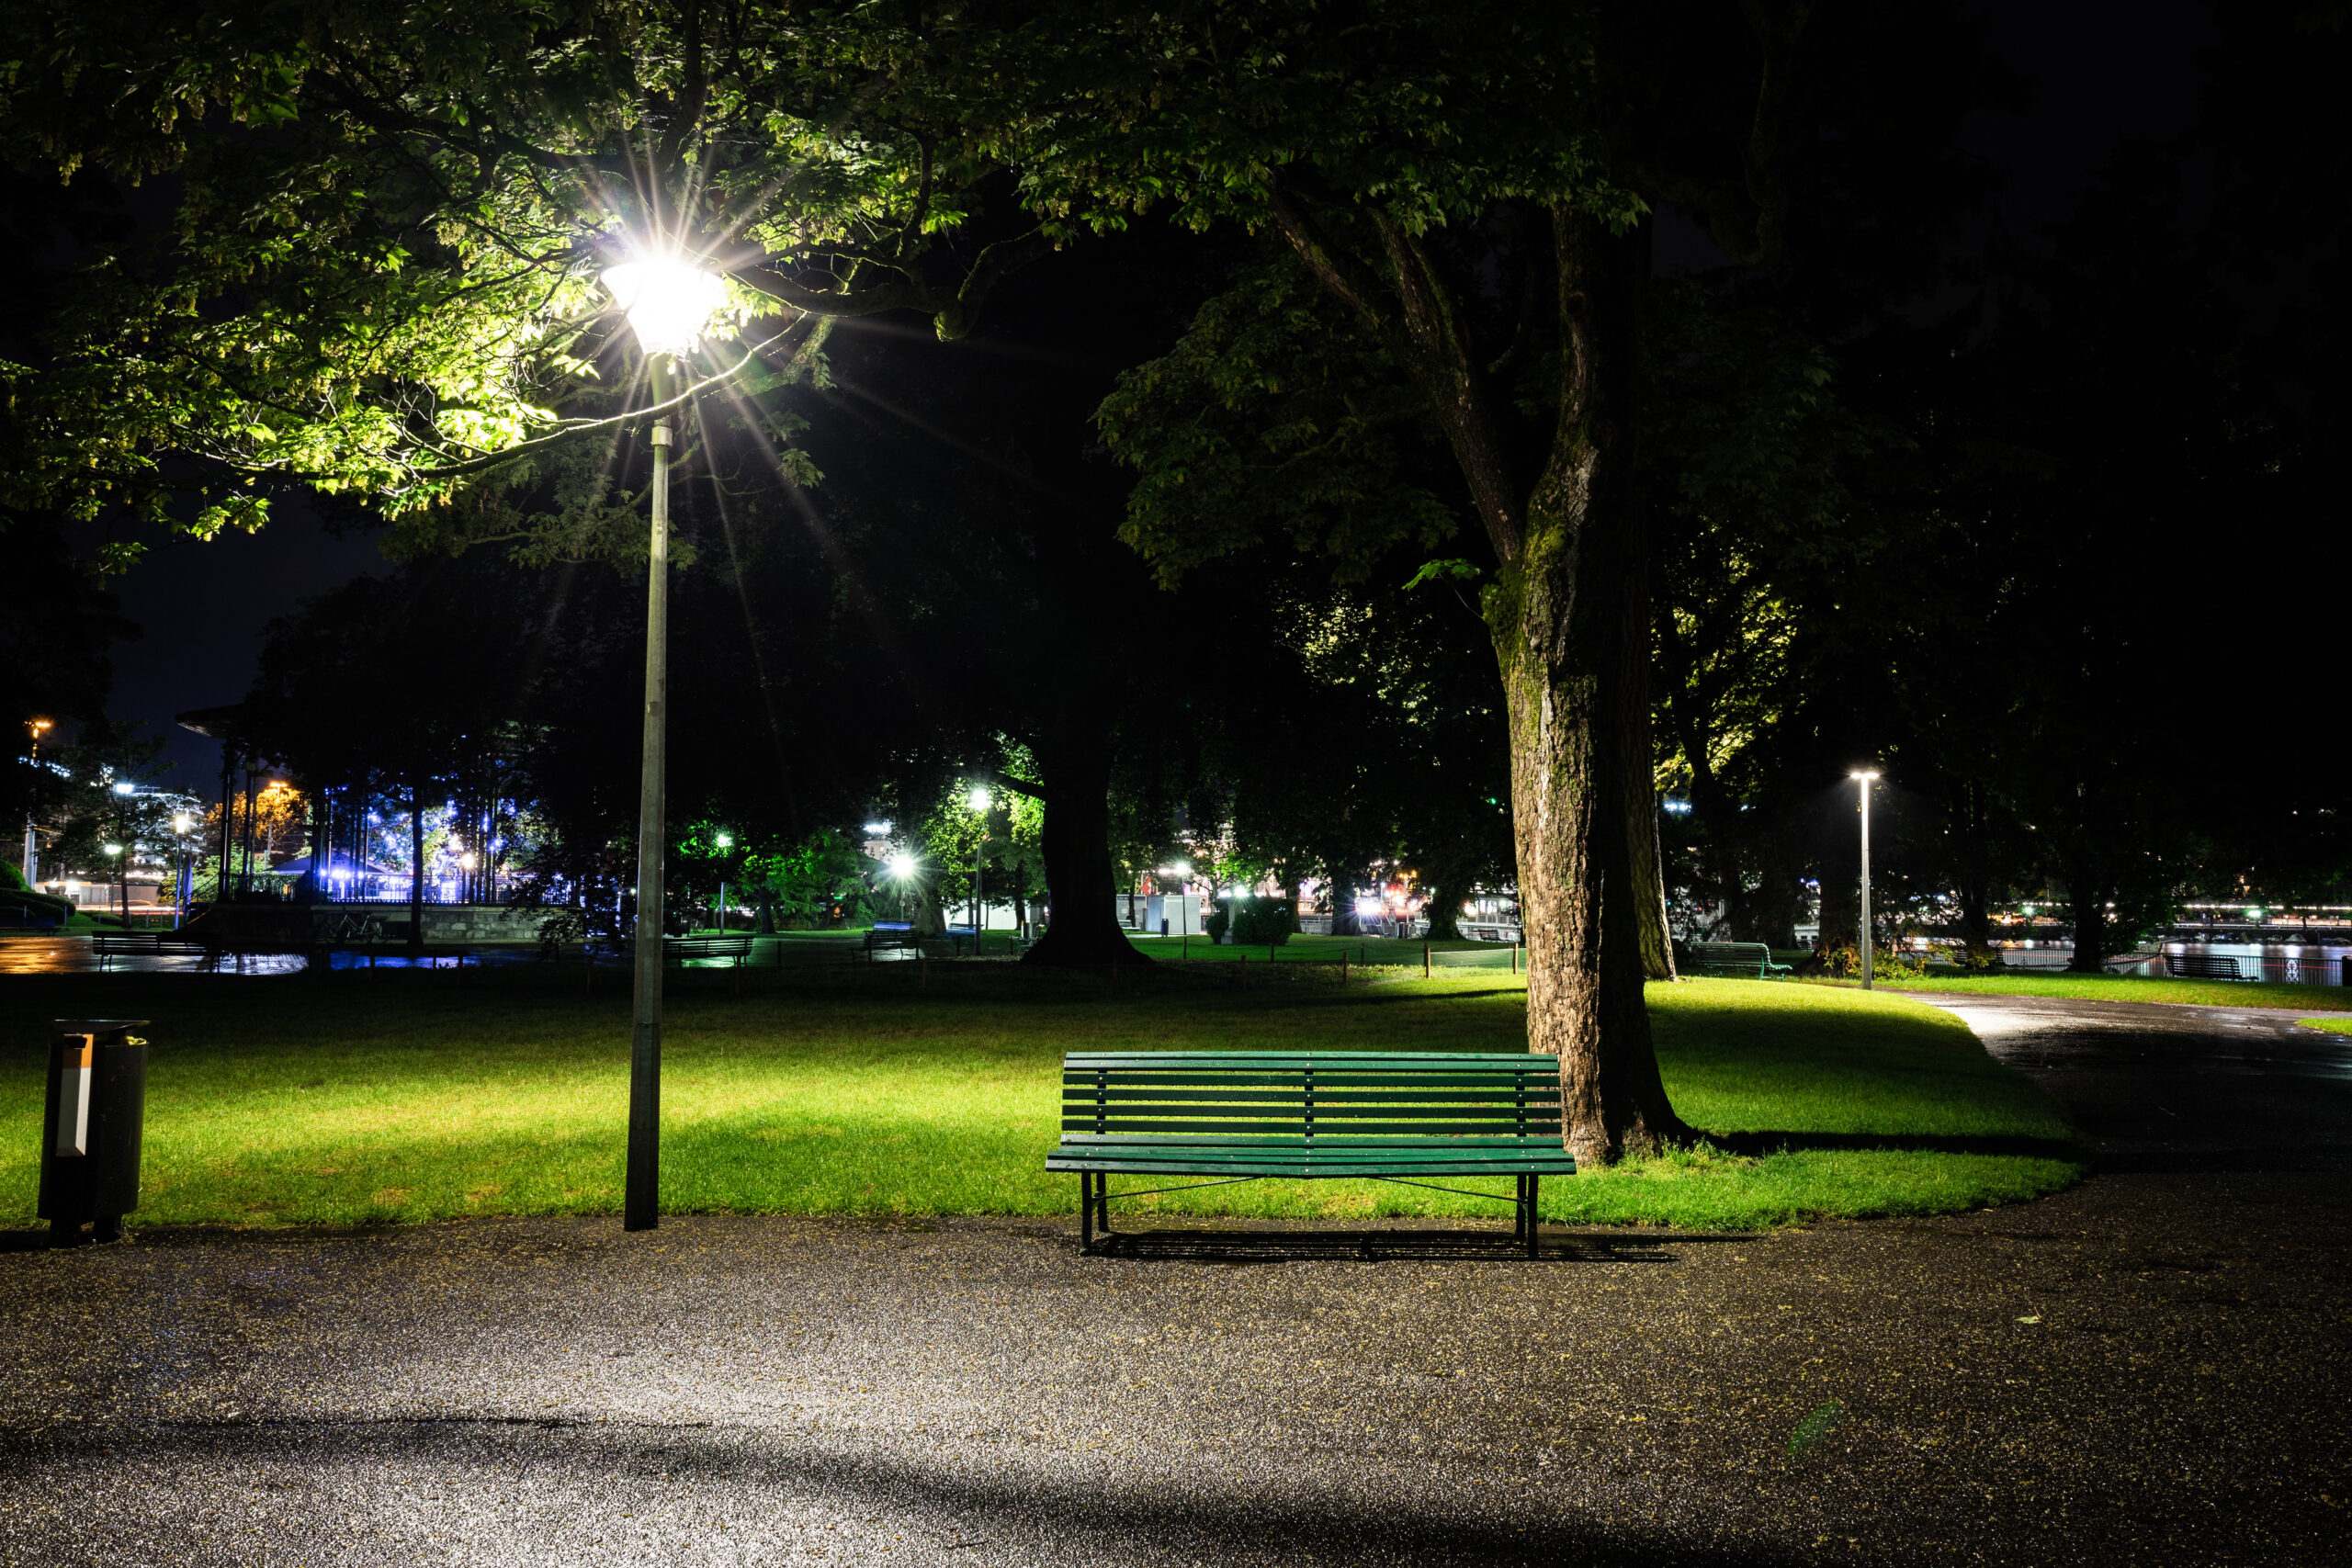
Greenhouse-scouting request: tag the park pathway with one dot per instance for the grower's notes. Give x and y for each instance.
(2149, 1369)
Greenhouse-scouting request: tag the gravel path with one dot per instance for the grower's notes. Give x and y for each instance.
(2149, 1369)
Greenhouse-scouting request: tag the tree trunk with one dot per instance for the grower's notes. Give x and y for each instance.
(1568, 620)
(2087, 897)
(1074, 839)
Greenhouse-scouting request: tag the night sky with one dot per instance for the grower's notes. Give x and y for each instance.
(2104, 72)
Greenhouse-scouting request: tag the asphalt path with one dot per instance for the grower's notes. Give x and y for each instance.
(2149, 1369)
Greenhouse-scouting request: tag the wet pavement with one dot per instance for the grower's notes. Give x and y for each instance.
(2150, 1369)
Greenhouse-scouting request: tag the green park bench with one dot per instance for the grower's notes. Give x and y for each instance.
(1735, 961)
(682, 949)
(1247, 1115)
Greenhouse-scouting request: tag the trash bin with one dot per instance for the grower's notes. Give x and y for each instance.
(91, 1126)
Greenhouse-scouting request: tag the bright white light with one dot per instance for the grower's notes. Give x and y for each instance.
(1367, 906)
(1184, 868)
(114, 849)
(724, 841)
(1864, 775)
(876, 829)
(982, 800)
(1678, 808)
(180, 822)
(902, 865)
(126, 787)
(669, 304)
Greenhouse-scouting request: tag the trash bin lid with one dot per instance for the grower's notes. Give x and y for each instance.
(98, 1025)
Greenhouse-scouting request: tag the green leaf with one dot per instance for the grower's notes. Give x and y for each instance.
(1816, 1426)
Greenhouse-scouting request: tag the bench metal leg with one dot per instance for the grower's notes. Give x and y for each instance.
(1534, 1216)
(1093, 1189)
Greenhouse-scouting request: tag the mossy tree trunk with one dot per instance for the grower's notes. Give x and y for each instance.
(1568, 611)
(1570, 615)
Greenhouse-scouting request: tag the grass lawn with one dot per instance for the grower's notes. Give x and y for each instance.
(2333, 1025)
(2129, 989)
(416, 1095)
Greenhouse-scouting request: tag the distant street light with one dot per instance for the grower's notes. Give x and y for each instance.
(669, 303)
(181, 823)
(725, 840)
(1863, 778)
(39, 726)
(980, 802)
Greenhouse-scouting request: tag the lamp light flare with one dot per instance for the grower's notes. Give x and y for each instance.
(982, 800)
(902, 866)
(668, 302)
(126, 787)
(724, 841)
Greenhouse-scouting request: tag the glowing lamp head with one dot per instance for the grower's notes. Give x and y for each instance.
(181, 822)
(114, 849)
(1864, 775)
(982, 800)
(902, 866)
(467, 861)
(724, 841)
(876, 829)
(669, 304)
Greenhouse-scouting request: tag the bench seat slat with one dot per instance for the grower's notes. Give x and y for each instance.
(1304, 1169)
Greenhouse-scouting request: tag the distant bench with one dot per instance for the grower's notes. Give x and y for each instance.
(892, 933)
(2201, 966)
(1735, 961)
(688, 949)
(110, 945)
(1242, 1115)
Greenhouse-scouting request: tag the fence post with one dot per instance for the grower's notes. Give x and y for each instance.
(1425, 961)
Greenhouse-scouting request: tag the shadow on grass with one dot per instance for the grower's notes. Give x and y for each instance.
(1300, 1246)
(1757, 1144)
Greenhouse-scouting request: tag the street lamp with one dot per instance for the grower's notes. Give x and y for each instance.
(1863, 778)
(669, 303)
(181, 823)
(39, 726)
(725, 842)
(980, 802)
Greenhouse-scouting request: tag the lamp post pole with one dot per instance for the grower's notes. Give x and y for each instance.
(980, 802)
(1862, 782)
(641, 1204)
(39, 726)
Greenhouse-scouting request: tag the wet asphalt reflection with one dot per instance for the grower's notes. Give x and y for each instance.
(2150, 1369)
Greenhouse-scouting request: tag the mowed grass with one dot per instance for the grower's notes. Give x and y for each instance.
(2127, 988)
(408, 1096)
(2333, 1025)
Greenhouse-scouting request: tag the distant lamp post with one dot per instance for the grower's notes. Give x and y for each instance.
(980, 802)
(121, 879)
(181, 823)
(669, 304)
(725, 842)
(1863, 778)
(38, 726)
